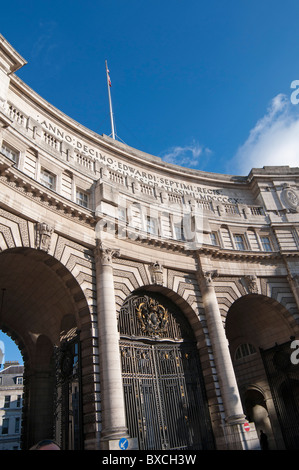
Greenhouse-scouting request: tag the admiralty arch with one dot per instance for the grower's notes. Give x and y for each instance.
(152, 304)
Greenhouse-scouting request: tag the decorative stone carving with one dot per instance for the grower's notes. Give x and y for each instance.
(289, 198)
(106, 254)
(152, 316)
(44, 233)
(157, 273)
(251, 284)
(208, 276)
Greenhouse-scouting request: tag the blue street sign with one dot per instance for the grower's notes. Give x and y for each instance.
(123, 443)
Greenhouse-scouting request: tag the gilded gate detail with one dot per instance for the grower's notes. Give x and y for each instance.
(165, 401)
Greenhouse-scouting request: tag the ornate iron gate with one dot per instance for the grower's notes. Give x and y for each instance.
(68, 396)
(165, 397)
(283, 378)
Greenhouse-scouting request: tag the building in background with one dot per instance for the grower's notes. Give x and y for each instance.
(11, 396)
(155, 306)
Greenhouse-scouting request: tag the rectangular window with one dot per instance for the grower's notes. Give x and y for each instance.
(151, 225)
(19, 401)
(266, 245)
(239, 242)
(122, 215)
(17, 425)
(179, 231)
(5, 423)
(19, 380)
(47, 178)
(214, 238)
(7, 401)
(10, 152)
(81, 198)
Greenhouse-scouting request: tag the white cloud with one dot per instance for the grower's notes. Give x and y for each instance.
(274, 140)
(45, 42)
(190, 156)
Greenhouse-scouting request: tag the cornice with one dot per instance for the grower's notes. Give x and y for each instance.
(12, 60)
(33, 190)
(249, 256)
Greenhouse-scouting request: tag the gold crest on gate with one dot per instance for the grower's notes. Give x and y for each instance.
(152, 316)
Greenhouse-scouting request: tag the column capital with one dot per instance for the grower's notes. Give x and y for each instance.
(105, 254)
(208, 276)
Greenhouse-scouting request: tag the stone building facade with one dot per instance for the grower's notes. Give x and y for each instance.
(11, 395)
(154, 305)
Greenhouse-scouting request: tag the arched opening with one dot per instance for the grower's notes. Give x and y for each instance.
(256, 410)
(165, 398)
(259, 331)
(40, 311)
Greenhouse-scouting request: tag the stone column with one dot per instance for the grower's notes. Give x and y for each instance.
(237, 433)
(112, 396)
(227, 380)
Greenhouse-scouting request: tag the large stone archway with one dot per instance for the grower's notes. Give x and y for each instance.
(251, 316)
(42, 304)
(256, 324)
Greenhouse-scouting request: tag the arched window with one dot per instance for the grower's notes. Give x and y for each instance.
(244, 350)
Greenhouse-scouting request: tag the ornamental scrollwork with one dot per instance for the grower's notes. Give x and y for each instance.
(106, 254)
(290, 198)
(153, 317)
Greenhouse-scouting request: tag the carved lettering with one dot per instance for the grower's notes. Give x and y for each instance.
(169, 185)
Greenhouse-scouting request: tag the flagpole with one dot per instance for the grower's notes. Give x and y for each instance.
(110, 102)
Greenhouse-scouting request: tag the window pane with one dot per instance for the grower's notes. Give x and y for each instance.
(239, 241)
(17, 425)
(244, 350)
(7, 401)
(82, 198)
(266, 244)
(5, 423)
(47, 179)
(10, 153)
(213, 237)
(19, 401)
(151, 225)
(179, 231)
(122, 214)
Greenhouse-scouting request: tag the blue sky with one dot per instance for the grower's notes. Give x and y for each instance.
(8, 350)
(201, 84)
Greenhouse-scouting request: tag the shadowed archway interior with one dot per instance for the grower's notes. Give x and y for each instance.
(38, 308)
(256, 323)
